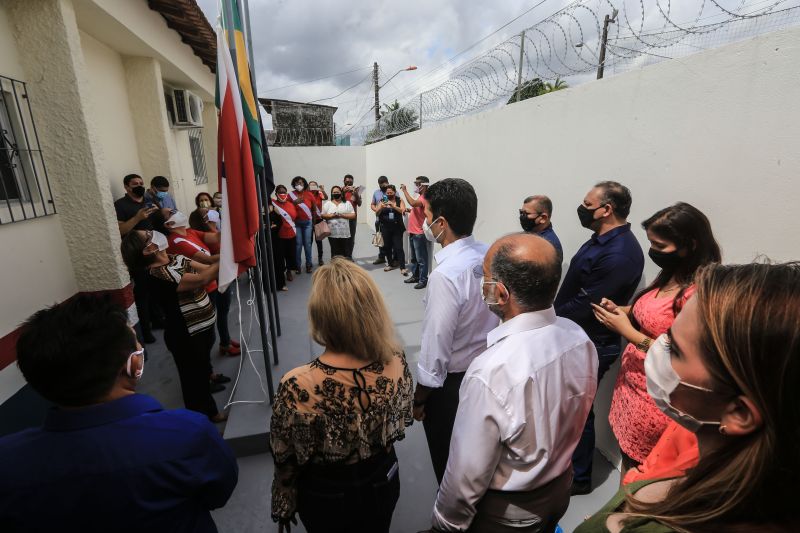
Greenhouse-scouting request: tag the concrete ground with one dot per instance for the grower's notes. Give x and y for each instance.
(249, 508)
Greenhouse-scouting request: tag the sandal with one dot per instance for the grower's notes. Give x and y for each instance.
(389, 268)
(405, 272)
(284, 289)
(230, 350)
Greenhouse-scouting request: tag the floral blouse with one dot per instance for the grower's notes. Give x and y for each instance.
(323, 415)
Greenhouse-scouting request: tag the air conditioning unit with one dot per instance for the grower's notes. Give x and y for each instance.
(186, 108)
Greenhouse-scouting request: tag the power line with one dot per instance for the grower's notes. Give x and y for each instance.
(318, 79)
(341, 93)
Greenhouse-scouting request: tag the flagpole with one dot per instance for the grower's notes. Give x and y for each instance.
(254, 81)
(272, 304)
(229, 26)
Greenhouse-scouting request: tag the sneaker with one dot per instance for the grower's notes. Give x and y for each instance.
(581, 487)
(379, 261)
(421, 285)
(320, 262)
(412, 279)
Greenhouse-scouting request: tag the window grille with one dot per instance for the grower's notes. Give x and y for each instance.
(25, 191)
(198, 156)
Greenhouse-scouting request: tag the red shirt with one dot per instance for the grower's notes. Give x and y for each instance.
(188, 245)
(349, 197)
(308, 199)
(417, 217)
(286, 231)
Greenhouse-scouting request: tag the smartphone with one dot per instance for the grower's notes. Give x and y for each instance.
(385, 199)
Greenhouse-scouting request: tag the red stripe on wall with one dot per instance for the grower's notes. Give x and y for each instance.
(8, 344)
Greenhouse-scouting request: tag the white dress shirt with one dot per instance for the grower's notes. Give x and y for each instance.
(456, 318)
(523, 404)
(340, 227)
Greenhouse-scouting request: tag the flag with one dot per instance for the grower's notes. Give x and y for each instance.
(237, 181)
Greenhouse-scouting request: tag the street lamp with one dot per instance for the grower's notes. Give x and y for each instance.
(378, 87)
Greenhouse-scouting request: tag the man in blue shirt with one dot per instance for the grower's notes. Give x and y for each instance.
(158, 194)
(535, 217)
(608, 265)
(384, 252)
(106, 459)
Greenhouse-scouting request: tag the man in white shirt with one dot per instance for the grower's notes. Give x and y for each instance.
(456, 320)
(523, 401)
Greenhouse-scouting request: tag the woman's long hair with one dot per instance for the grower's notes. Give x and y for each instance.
(347, 312)
(750, 341)
(689, 229)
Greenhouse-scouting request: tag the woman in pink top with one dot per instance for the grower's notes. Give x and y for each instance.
(681, 241)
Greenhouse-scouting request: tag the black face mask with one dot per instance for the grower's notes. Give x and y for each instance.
(665, 260)
(138, 191)
(527, 223)
(586, 215)
(336, 195)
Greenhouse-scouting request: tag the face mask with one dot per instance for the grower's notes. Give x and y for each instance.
(586, 215)
(426, 229)
(177, 220)
(665, 260)
(299, 187)
(527, 223)
(205, 203)
(282, 197)
(336, 195)
(138, 191)
(218, 202)
(160, 240)
(140, 371)
(662, 381)
(162, 195)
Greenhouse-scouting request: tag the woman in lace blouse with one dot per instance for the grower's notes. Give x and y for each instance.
(336, 419)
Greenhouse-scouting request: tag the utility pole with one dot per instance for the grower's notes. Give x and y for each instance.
(377, 90)
(521, 55)
(604, 41)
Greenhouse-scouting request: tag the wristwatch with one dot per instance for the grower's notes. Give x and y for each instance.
(644, 344)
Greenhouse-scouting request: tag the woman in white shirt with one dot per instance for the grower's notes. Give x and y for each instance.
(337, 213)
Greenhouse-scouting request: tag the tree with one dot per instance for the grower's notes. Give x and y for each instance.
(395, 120)
(557, 85)
(537, 87)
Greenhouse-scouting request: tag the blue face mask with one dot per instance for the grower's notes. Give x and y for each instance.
(162, 195)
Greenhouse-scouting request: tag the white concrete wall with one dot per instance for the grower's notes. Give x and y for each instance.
(324, 164)
(111, 112)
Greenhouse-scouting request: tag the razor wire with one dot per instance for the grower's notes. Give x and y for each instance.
(564, 50)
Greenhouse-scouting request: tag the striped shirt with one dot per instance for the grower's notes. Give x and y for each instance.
(196, 307)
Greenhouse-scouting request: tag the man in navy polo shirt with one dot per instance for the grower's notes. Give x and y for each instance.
(106, 459)
(608, 265)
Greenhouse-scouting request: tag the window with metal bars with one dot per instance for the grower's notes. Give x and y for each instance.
(24, 187)
(198, 156)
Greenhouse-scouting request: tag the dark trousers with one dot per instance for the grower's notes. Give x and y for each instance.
(192, 355)
(440, 415)
(532, 511)
(222, 301)
(385, 251)
(351, 242)
(420, 246)
(583, 455)
(393, 241)
(338, 247)
(279, 264)
(141, 295)
(288, 246)
(319, 251)
(355, 498)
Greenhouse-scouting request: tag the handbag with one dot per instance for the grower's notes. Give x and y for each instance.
(377, 238)
(321, 230)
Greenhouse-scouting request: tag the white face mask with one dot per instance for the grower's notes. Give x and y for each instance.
(299, 187)
(177, 220)
(662, 380)
(160, 240)
(140, 371)
(426, 229)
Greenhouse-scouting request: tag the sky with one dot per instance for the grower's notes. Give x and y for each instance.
(295, 41)
(300, 40)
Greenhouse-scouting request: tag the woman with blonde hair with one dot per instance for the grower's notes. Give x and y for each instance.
(335, 420)
(728, 371)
